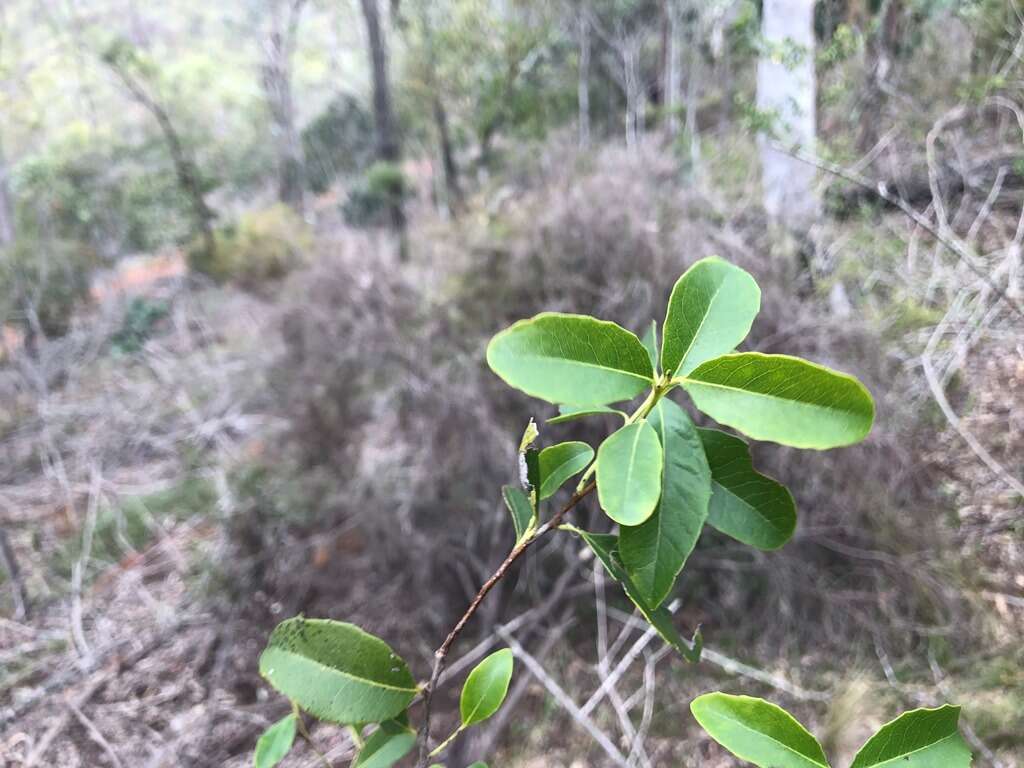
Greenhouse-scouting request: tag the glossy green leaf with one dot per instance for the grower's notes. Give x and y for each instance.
(710, 311)
(486, 687)
(519, 507)
(275, 742)
(386, 746)
(629, 465)
(605, 547)
(655, 551)
(650, 342)
(571, 359)
(921, 738)
(336, 671)
(573, 412)
(560, 462)
(746, 505)
(783, 399)
(757, 731)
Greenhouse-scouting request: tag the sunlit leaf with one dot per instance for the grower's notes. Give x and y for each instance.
(783, 399)
(655, 551)
(650, 342)
(746, 505)
(336, 671)
(757, 731)
(486, 687)
(571, 359)
(921, 738)
(710, 311)
(629, 465)
(560, 462)
(275, 742)
(386, 746)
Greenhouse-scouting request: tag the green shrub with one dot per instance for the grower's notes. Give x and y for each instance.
(138, 323)
(50, 279)
(340, 140)
(368, 202)
(261, 246)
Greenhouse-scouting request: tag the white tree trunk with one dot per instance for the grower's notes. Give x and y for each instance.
(786, 91)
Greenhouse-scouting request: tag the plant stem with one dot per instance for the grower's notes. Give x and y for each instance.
(441, 654)
(305, 734)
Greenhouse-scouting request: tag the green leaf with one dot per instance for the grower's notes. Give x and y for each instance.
(386, 746)
(750, 507)
(655, 551)
(710, 311)
(479, 764)
(921, 738)
(757, 731)
(572, 359)
(574, 412)
(783, 399)
(486, 687)
(336, 671)
(275, 742)
(629, 465)
(560, 462)
(605, 547)
(650, 342)
(520, 508)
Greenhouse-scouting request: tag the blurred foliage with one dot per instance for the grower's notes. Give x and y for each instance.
(140, 319)
(262, 246)
(339, 140)
(372, 196)
(44, 280)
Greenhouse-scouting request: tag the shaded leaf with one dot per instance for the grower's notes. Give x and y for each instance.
(921, 738)
(574, 412)
(710, 311)
(519, 507)
(275, 742)
(746, 505)
(783, 399)
(605, 547)
(757, 731)
(629, 465)
(486, 687)
(336, 671)
(571, 359)
(386, 746)
(655, 551)
(560, 462)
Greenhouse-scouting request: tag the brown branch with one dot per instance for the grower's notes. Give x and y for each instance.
(442, 652)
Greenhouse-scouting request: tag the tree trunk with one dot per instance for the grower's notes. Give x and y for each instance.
(388, 148)
(633, 96)
(277, 85)
(880, 53)
(788, 92)
(453, 190)
(583, 79)
(185, 168)
(7, 229)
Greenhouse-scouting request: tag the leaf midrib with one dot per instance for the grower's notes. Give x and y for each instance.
(684, 380)
(700, 325)
(906, 755)
(343, 673)
(585, 364)
(785, 746)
